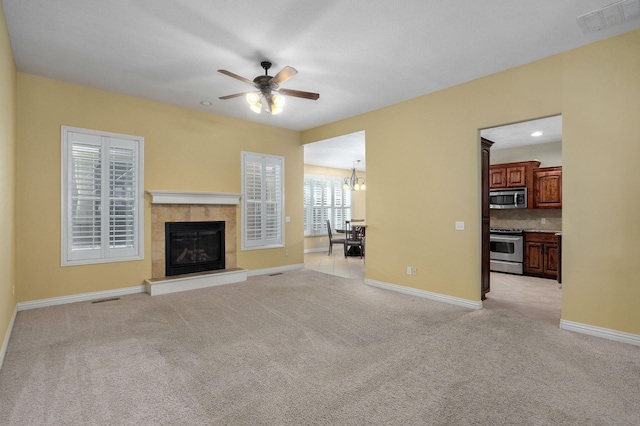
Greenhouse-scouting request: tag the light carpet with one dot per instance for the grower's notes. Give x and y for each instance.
(306, 348)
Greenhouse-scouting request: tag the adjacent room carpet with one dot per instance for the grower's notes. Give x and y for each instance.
(307, 348)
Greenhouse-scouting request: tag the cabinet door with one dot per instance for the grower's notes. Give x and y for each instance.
(516, 176)
(548, 189)
(551, 260)
(497, 177)
(534, 258)
(486, 239)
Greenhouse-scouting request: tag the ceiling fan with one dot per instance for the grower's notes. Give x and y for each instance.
(269, 89)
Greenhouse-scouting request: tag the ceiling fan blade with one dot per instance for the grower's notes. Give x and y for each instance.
(299, 94)
(236, 76)
(235, 95)
(285, 74)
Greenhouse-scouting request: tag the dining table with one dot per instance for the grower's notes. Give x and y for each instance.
(357, 231)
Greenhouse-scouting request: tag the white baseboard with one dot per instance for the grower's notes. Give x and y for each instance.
(84, 297)
(7, 336)
(605, 333)
(276, 270)
(471, 304)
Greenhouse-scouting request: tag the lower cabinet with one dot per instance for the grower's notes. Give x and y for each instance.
(541, 254)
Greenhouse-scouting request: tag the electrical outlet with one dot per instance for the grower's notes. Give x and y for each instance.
(414, 271)
(321, 239)
(286, 253)
(543, 220)
(408, 270)
(459, 226)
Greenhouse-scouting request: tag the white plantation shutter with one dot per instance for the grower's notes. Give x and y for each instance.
(102, 219)
(85, 208)
(122, 195)
(308, 208)
(263, 201)
(342, 205)
(325, 200)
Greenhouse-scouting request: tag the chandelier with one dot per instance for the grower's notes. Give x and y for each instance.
(353, 182)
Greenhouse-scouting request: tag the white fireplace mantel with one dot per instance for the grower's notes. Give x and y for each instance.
(182, 197)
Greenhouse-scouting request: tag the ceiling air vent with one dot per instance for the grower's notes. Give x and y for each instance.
(614, 14)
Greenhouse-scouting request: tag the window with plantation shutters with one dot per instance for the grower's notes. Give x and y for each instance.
(263, 201)
(324, 199)
(102, 197)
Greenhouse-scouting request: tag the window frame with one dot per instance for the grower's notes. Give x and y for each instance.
(106, 144)
(263, 243)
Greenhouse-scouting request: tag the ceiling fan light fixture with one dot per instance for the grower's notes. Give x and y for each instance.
(252, 98)
(266, 85)
(277, 102)
(257, 107)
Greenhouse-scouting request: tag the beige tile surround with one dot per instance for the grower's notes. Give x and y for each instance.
(161, 213)
(527, 219)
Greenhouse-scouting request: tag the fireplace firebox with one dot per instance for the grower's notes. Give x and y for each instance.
(193, 247)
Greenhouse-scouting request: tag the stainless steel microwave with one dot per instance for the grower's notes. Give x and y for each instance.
(512, 198)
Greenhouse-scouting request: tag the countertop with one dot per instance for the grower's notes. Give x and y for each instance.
(544, 231)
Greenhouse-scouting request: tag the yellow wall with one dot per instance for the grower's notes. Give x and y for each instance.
(423, 166)
(185, 150)
(358, 202)
(7, 179)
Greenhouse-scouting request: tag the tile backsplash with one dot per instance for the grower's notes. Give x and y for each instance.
(527, 219)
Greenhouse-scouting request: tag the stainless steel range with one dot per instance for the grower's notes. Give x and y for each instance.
(507, 250)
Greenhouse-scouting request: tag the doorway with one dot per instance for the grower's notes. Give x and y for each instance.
(335, 191)
(538, 145)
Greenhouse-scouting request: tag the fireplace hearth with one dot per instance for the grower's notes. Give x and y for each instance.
(194, 247)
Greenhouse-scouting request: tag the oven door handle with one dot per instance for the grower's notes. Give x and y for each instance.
(497, 237)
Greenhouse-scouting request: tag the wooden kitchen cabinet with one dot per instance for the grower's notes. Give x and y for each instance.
(548, 188)
(541, 254)
(512, 175)
(497, 177)
(486, 219)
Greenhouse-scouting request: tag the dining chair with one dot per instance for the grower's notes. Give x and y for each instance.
(355, 238)
(332, 240)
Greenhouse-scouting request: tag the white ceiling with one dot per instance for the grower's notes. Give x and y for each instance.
(360, 55)
(340, 152)
(520, 134)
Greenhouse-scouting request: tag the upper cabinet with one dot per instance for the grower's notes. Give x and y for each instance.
(548, 188)
(512, 175)
(544, 185)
